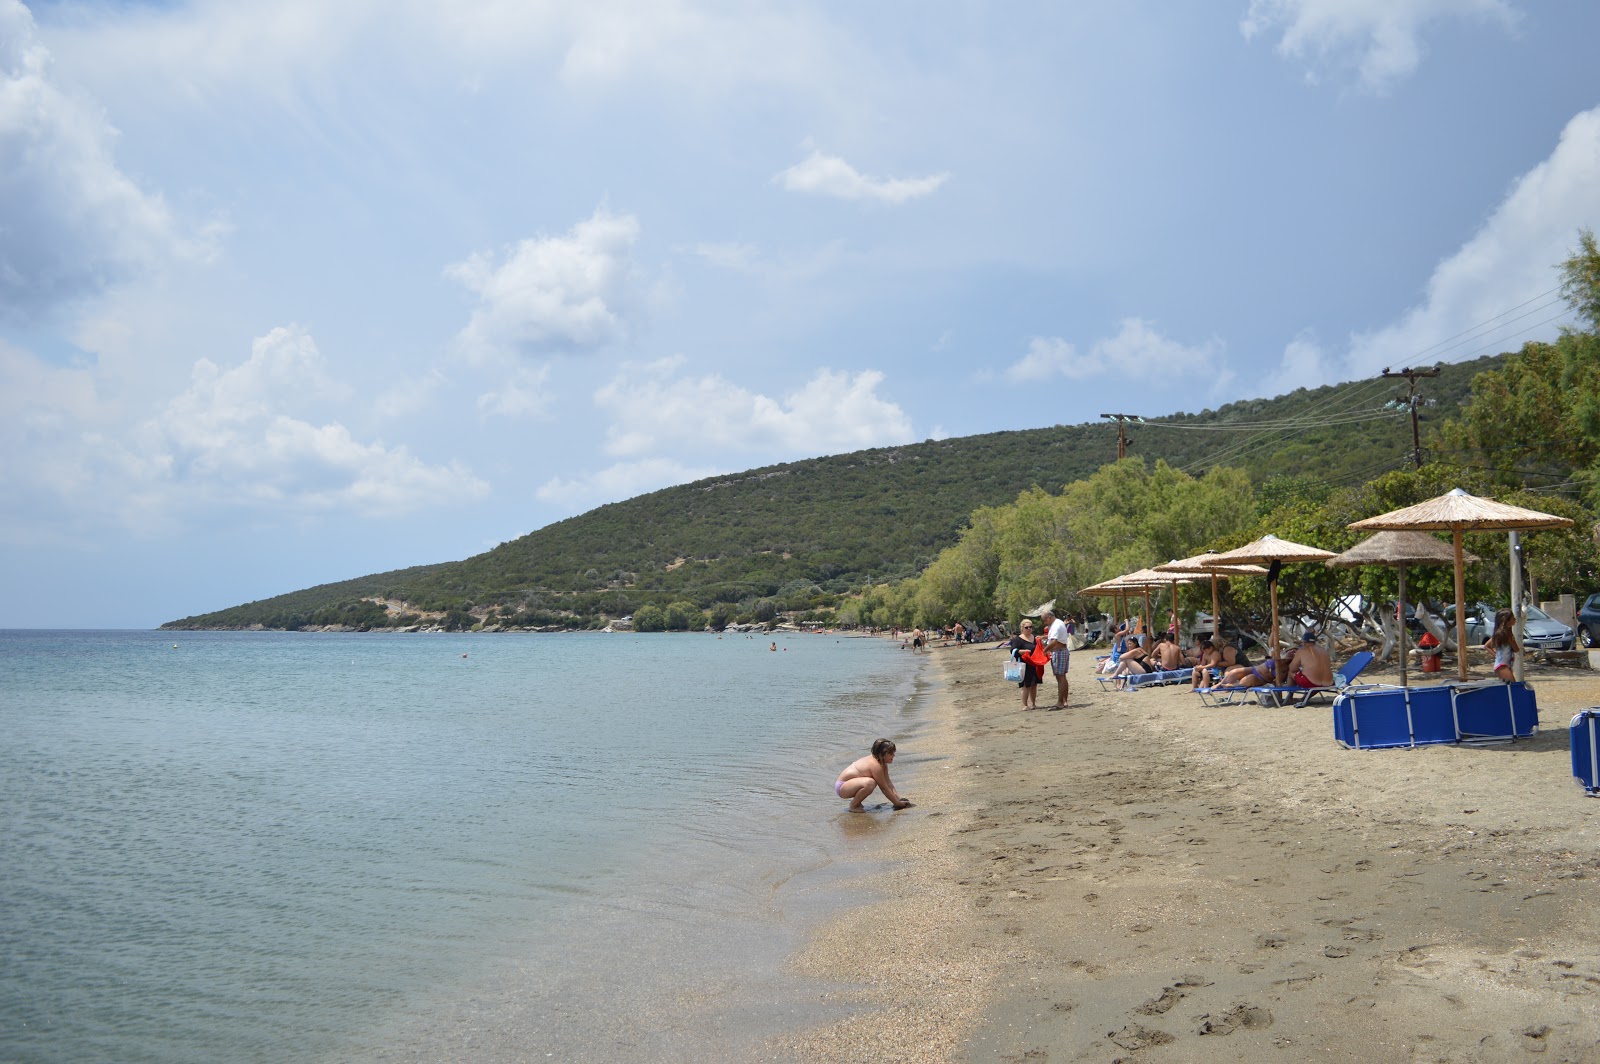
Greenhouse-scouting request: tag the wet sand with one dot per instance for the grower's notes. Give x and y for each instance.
(1142, 878)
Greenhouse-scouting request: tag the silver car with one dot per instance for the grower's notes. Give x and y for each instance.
(1540, 630)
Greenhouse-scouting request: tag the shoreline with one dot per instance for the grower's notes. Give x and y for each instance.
(1144, 878)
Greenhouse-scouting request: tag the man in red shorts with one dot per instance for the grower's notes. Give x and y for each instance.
(1309, 665)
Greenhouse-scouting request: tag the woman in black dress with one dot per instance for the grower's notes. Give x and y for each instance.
(1021, 645)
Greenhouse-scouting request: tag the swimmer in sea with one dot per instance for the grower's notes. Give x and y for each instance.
(868, 774)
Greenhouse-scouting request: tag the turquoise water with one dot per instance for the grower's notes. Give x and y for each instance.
(287, 847)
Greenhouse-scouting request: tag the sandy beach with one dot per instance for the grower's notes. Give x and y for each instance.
(1143, 878)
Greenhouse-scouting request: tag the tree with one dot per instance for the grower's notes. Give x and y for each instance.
(1580, 279)
(649, 618)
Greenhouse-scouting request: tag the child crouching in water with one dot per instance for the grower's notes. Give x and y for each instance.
(868, 774)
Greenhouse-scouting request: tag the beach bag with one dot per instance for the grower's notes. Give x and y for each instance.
(1014, 672)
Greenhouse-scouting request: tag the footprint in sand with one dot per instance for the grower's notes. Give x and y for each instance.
(1335, 952)
(1245, 1017)
(1272, 941)
(1170, 996)
(1136, 1036)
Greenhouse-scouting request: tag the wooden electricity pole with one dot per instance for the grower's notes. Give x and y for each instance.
(1411, 402)
(1122, 421)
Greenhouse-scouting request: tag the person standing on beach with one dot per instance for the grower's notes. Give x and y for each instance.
(1021, 645)
(1055, 642)
(867, 774)
(1504, 644)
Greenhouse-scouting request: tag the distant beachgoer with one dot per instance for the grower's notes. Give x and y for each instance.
(867, 774)
(1023, 643)
(1504, 644)
(773, 647)
(1055, 642)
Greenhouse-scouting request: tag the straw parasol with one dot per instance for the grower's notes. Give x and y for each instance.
(1197, 566)
(1272, 552)
(1146, 579)
(1399, 549)
(1456, 511)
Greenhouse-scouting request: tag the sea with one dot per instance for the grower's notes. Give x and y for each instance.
(259, 846)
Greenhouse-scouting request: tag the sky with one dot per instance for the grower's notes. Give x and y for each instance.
(292, 292)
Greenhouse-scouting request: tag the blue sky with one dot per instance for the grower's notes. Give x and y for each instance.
(294, 291)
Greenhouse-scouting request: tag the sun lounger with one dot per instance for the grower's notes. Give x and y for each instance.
(1300, 697)
(1585, 735)
(1378, 715)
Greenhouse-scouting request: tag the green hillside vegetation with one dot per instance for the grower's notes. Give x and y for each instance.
(803, 535)
(1527, 433)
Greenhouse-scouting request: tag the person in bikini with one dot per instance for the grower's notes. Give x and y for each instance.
(867, 774)
(1263, 675)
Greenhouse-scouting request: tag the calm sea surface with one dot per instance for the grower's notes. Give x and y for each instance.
(287, 847)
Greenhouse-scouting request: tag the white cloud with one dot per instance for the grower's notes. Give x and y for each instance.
(653, 409)
(522, 394)
(1512, 258)
(1381, 39)
(1136, 348)
(72, 222)
(561, 293)
(623, 480)
(829, 175)
(729, 255)
(232, 438)
(1304, 365)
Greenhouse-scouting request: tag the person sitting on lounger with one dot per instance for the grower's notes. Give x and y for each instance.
(1209, 668)
(1263, 675)
(1168, 655)
(1309, 666)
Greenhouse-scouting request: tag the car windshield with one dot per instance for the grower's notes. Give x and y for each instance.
(1534, 613)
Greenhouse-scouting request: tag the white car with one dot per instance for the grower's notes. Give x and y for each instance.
(1540, 630)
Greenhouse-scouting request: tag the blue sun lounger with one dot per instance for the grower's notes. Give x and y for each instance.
(1289, 694)
(1375, 716)
(1585, 733)
(1300, 697)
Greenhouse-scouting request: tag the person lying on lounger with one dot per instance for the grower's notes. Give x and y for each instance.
(1263, 675)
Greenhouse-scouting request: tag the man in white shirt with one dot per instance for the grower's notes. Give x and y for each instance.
(1055, 641)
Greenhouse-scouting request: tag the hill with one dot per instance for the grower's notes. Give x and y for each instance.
(801, 533)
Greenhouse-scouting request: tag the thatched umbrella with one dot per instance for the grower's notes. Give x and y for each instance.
(1399, 549)
(1455, 511)
(1106, 589)
(1272, 552)
(1146, 579)
(1196, 566)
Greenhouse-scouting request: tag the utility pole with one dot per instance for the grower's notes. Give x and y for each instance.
(1122, 421)
(1411, 402)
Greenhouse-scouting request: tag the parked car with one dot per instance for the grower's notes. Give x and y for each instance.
(1540, 630)
(1589, 621)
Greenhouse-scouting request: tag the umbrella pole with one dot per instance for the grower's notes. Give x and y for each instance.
(1175, 611)
(1401, 614)
(1461, 605)
(1148, 619)
(1216, 612)
(1273, 587)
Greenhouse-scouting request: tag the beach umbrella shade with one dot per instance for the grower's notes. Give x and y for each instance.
(1456, 512)
(1399, 548)
(1272, 552)
(1145, 579)
(1194, 567)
